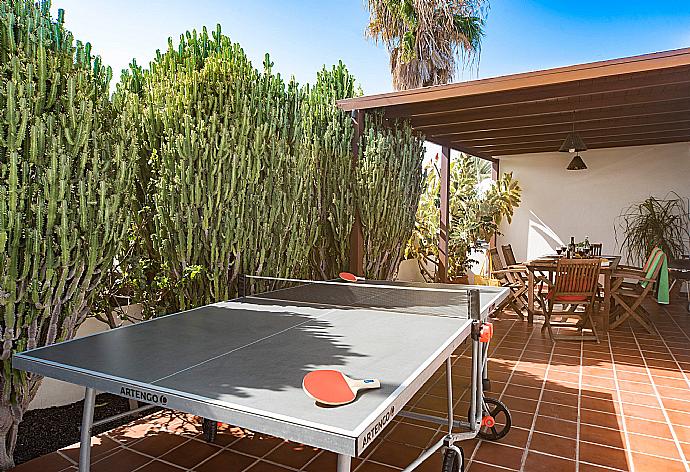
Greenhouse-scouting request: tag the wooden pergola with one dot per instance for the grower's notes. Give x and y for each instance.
(631, 101)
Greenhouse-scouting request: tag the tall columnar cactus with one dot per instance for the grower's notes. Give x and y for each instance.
(325, 137)
(64, 179)
(389, 183)
(229, 193)
(241, 171)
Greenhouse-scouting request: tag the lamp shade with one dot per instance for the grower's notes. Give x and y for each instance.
(577, 163)
(573, 143)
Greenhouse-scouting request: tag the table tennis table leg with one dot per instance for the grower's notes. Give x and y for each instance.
(449, 393)
(86, 425)
(344, 462)
(474, 385)
(486, 382)
(478, 367)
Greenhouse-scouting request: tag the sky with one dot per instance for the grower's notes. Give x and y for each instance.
(302, 36)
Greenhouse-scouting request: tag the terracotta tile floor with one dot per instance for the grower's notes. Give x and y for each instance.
(623, 404)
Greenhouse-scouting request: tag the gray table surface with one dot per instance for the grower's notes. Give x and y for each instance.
(242, 361)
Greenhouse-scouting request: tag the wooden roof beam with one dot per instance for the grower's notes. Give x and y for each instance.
(511, 150)
(658, 120)
(460, 147)
(649, 83)
(679, 98)
(600, 69)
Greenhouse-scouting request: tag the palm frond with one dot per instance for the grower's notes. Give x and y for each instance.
(428, 40)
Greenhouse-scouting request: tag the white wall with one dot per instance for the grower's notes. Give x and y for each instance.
(557, 203)
(408, 271)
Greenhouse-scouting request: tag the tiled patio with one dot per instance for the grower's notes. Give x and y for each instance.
(621, 405)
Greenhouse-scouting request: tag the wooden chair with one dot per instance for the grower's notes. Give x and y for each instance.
(631, 286)
(647, 263)
(575, 284)
(595, 249)
(519, 271)
(509, 277)
(508, 255)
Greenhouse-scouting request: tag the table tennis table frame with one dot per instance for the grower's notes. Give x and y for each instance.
(185, 403)
(477, 381)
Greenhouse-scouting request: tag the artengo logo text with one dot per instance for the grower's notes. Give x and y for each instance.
(377, 428)
(148, 397)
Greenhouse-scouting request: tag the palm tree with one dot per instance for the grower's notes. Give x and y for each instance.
(427, 38)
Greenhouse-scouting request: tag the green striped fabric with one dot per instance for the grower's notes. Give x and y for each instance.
(655, 258)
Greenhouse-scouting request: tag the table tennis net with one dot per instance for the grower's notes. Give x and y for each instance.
(402, 297)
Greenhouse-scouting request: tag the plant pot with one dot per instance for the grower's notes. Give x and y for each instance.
(461, 280)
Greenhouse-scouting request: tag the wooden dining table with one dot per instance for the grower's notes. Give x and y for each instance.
(546, 266)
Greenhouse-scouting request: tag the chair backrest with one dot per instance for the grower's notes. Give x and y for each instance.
(652, 255)
(577, 277)
(495, 259)
(596, 249)
(653, 266)
(508, 255)
(497, 264)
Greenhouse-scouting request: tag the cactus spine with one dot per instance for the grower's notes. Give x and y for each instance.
(64, 182)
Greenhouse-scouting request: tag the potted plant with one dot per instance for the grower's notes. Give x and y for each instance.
(662, 222)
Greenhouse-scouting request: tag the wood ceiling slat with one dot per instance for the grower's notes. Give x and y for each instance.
(588, 137)
(661, 121)
(511, 150)
(646, 83)
(562, 110)
(555, 142)
(675, 108)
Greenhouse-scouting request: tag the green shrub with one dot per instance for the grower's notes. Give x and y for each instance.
(242, 172)
(475, 215)
(66, 167)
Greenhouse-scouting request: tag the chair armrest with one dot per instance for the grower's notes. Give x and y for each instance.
(628, 271)
(543, 280)
(520, 267)
(625, 266)
(504, 271)
(639, 276)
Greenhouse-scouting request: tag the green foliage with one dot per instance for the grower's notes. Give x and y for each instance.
(325, 138)
(662, 222)
(66, 166)
(427, 39)
(475, 214)
(243, 172)
(228, 193)
(389, 185)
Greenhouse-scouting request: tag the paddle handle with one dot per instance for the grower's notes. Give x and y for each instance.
(363, 384)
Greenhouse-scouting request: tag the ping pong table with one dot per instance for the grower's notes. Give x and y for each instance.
(242, 362)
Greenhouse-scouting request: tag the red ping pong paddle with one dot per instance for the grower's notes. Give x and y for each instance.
(331, 387)
(348, 277)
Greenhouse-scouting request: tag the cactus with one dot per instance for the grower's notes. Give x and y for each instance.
(326, 136)
(389, 183)
(228, 192)
(241, 171)
(65, 176)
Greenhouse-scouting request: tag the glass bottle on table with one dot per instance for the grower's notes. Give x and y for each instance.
(587, 248)
(571, 248)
